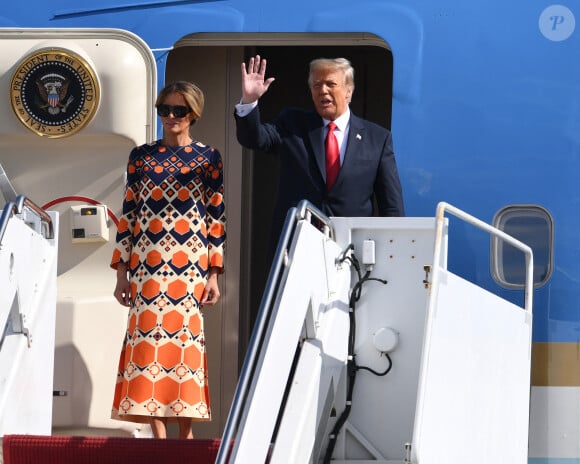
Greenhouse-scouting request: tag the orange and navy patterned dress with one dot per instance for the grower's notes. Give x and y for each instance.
(171, 232)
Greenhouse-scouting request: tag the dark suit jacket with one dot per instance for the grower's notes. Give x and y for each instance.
(368, 168)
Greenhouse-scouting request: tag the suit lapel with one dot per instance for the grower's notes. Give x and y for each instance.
(316, 136)
(353, 146)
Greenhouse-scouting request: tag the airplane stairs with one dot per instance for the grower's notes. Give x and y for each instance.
(369, 299)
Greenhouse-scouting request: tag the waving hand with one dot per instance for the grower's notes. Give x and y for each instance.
(253, 83)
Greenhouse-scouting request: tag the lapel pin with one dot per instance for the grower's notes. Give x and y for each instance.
(358, 136)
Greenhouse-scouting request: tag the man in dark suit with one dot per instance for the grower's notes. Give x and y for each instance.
(367, 166)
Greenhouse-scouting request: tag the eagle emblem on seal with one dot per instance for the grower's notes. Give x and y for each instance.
(53, 91)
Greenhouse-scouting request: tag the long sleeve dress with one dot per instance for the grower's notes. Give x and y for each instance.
(172, 230)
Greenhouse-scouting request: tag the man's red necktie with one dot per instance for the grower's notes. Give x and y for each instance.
(332, 156)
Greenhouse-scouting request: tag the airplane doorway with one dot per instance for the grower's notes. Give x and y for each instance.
(213, 62)
(371, 100)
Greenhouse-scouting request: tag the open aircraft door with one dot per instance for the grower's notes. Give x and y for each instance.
(76, 101)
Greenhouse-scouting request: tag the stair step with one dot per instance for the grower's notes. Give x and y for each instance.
(34, 449)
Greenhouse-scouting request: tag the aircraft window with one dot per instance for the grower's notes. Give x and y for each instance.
(533, 226)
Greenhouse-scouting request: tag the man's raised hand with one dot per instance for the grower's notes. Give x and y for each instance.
(253, 83)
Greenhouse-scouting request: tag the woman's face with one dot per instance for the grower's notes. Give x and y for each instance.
(172, 124)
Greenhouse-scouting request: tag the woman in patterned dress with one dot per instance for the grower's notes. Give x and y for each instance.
(168, 255)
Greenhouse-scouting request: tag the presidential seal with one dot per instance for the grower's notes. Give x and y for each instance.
(54, 92)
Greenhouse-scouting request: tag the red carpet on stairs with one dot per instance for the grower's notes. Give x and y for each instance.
(35, 449)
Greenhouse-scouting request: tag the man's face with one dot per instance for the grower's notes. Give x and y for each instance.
(329, 93)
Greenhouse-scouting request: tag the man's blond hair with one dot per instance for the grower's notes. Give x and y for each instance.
(334, 64)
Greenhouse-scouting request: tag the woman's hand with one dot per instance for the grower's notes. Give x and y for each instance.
(211, 292)
(123, 289)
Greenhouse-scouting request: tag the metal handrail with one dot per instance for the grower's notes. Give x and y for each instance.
(303, 211)
(306, 210)
(6, 186)
(16, 207)
(442, 207)
(258, 333)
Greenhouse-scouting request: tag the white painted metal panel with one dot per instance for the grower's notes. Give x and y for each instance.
(554, 423)
(383, 408)
(305, 285)
(474, 390)
(28, 264)
(320, 368)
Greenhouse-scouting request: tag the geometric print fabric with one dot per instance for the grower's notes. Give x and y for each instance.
(172, 230)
